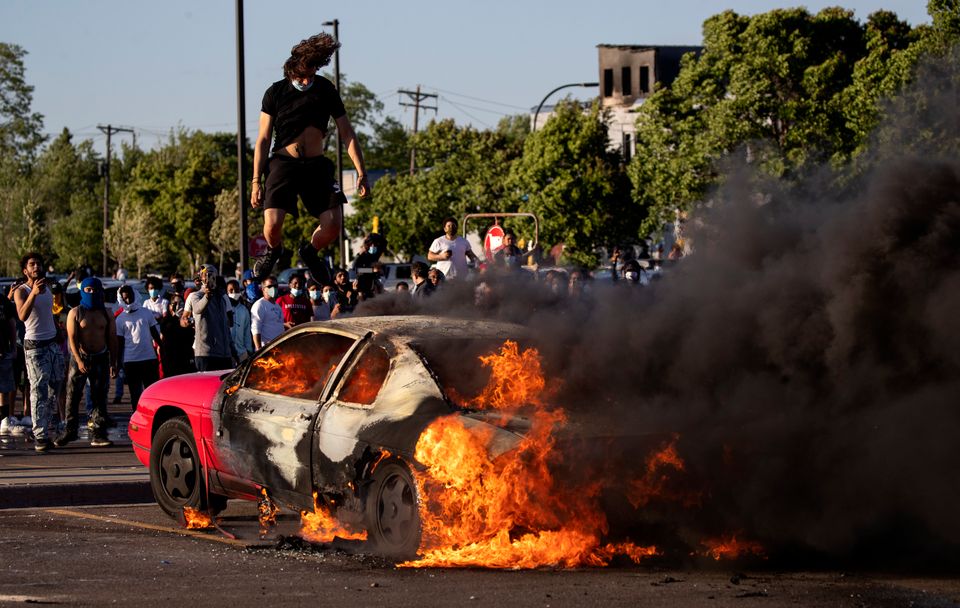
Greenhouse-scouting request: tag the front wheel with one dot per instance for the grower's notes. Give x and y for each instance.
(393, 511)
(176, 475)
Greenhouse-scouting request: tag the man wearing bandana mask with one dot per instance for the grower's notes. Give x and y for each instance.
(295, 112)
(92, 340)
(137, 329)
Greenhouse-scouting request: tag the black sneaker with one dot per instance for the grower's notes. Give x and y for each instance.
(43, 445)
(65, 438)
(317, 266)
(263, 265)
(100, 442)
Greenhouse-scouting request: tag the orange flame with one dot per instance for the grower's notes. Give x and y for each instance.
(267, 512)
(195, 519)
(731, 548)
(285, 373)
(322, 526)
(507, 512)
(656, 481)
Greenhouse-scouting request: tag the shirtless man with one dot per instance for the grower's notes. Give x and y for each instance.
(298, 109)
(92, 337)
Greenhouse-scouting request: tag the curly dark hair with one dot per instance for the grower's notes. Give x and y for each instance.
(310, 55)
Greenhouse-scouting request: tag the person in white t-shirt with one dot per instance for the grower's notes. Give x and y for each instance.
(137, 328)
(450, 252)
(156, 303)
(266, 316)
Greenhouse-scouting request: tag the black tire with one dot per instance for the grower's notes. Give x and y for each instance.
(176, 476)
(393, 511)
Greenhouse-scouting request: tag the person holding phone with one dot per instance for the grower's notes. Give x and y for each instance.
(44, 359)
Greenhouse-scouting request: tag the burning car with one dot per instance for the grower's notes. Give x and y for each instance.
(328, 416)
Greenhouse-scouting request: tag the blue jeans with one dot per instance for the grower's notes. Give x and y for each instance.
(45, 373)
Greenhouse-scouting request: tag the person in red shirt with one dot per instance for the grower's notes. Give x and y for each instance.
(295, 305)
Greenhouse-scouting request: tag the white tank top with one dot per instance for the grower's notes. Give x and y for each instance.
(39, 325)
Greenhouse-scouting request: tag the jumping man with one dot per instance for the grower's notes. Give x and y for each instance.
(296, 111)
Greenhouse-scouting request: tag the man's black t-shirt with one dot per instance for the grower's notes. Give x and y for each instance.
(293, 110)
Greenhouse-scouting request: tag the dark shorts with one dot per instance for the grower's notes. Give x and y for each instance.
(312, 179)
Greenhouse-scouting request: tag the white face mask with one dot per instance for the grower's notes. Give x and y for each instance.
(270, 292)
(632, 276)
(327, 296)
(234, 296)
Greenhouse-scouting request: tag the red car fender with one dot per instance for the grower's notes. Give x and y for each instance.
(190, 394)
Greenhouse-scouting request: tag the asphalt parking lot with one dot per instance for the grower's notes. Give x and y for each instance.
(78, 527)
(125, 554)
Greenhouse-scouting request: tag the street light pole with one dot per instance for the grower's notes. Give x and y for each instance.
(241, 138)
(336, 75)
(563, 86)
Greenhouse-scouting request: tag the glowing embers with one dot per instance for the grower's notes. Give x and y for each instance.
(194, 519)
(267, 512)
(731, 548)
(507, 512)
(321, 526)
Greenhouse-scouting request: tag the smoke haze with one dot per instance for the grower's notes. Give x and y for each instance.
(808, 352)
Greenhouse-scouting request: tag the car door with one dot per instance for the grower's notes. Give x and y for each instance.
(266, 422)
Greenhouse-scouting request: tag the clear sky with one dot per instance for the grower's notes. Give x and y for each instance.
(153, 65)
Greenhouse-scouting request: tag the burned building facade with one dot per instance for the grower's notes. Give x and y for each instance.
(628, 74)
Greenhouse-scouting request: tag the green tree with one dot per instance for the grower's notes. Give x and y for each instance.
(21, 135)
(179, 183)
(388, 147)
(21, 129)
(67, 181)
(225, 231)
(462, 170)
(774, 90)
(131, 237)
(575, 184)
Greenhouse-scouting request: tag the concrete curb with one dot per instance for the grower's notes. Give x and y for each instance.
(73, 495)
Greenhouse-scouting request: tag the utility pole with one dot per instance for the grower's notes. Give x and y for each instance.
(241, 138)
(109, 130)
(417, 97)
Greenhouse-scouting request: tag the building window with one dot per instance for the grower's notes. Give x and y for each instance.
(644, 79)
(608, 83)
(626, 82)
(627, 147)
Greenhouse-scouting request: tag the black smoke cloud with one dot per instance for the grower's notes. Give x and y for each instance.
(808, 352)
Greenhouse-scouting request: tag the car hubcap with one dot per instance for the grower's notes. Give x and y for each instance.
(177, 469)
(397, 509)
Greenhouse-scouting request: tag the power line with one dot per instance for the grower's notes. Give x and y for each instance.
(484, 123)
(496, 103)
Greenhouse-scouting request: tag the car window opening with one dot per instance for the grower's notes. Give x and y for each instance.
(298, 367)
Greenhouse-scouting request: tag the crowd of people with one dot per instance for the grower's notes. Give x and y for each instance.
(56, 354)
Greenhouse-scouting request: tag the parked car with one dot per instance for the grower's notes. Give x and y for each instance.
(334, 407)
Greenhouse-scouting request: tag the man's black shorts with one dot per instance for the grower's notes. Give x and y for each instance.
(310, 178)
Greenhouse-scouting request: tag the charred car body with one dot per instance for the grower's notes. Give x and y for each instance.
(332, 409)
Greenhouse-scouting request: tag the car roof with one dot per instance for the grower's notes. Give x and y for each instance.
(421, 327)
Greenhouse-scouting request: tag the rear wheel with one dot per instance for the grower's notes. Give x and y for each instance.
(393, 511)
(176, 475)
